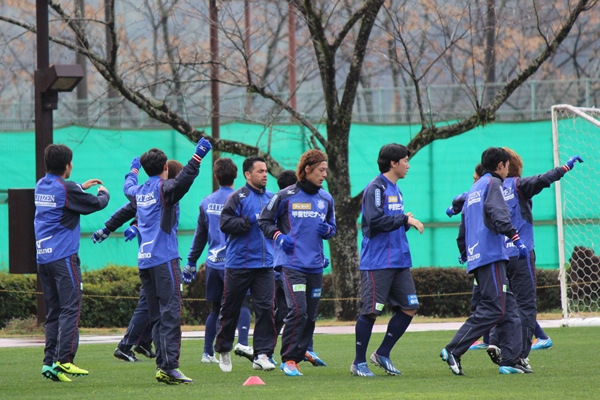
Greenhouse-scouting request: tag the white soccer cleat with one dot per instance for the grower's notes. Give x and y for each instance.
(225, 362)
(244, 351)
(263, 363)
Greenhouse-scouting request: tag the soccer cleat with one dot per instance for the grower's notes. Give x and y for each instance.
(262, 362)
(272, 359)
(507, 369)
(361, 369)
(314, 359)
(244, 351)
(71, 369)
(172, 376)
(145, 350)
(479, 345)
(208, 359)
(523, 363)
(125, 356)
(177, 377)
(290, 368)
(50, 373)
(541, 344)
(225, 362)
(452, 361)
(495, 354)
(385, 364)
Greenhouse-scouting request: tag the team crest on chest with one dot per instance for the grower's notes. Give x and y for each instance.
(320, 204)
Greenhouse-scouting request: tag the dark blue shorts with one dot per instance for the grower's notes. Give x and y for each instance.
(393, 285)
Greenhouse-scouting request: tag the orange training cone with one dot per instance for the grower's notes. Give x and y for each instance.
(253, 380)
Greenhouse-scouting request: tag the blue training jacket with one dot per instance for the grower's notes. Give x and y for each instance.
(486, 222)
(384, 227)
(518, 193)
(246, 245)
(158, 213)
(209, 231)
(297, 212)
(58, 207)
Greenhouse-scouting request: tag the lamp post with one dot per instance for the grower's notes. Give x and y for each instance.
(48, 82)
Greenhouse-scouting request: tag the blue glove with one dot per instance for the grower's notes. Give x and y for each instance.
(135, 165)
(325, 262)
(189, 273)
(286, 243)
(450, 211)
(203, 147)
(323, 229)
(522, 249)
(100, 235)
(461, 260)
(253, 218)
(131, 233)
(571, 162)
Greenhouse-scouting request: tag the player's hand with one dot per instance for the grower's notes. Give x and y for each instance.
(416, 223)
(522, 249)
(189, 273)
(461, 259)
(102, 189)
(253, 218)
(286, 243)
(99, 235)
(324, 229)
(450, 211)
(90, 182)
(131, 233)
(203, 147)
(325, 262)
(135, 165)
(572, 160)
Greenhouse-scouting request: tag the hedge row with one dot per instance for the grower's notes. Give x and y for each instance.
(111, 295)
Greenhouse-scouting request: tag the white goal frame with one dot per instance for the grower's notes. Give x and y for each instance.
(568, 317)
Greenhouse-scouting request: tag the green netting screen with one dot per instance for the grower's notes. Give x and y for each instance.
(437, 173)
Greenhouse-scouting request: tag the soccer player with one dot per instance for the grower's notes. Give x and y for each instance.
(59, 205)
(518, 193)
(158, 257)
(248, 265)
(486, 222)
(208, 231)
(285, 179)
(138, 336)
(385, 261)
(299, 218)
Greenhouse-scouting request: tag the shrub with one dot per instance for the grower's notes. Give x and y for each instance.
(111, 294)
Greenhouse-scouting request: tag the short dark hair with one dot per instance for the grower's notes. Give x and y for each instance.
(479, 170)
(249, 163)
(153, 161)
(391, 152)
(286, 178)
(492, 156)
(56, 158)
(225, 171)
(175, 168)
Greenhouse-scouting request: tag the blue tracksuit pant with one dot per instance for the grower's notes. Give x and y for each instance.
(495, 306)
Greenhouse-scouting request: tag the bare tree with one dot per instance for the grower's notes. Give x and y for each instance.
(338, 36)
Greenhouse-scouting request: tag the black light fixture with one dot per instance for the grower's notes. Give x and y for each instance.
(57, 78)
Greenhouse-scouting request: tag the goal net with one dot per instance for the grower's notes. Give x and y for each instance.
(576, 131)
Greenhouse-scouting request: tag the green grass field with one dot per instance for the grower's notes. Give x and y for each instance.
(570, 369)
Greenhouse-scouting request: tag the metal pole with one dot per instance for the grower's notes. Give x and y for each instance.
(214, 79)
(43, 115)
(292, 55)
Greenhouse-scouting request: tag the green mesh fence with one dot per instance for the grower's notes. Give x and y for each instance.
(437, 173)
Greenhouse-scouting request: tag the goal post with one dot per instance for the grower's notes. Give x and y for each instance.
(576, 131)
